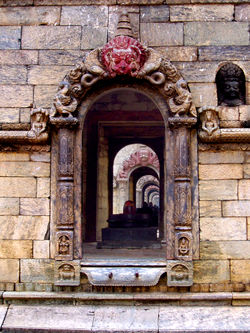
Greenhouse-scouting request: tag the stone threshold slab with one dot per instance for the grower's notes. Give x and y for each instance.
(121, 319)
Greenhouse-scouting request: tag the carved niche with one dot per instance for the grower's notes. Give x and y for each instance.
(179, 273)
(67, 273)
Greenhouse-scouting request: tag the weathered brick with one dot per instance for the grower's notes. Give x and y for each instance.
(14, 249)
(44, 95)
(18, 57)
(225, 250)
(179, 53)
(154, 14)
(246, 170)
(224, 228)
(43, 187)
(242, 13)
(162, 34)
(24, 227)
(210, 208)
(47, 74)
(203, 94)
(34, 206)
(15, 187)
(240, 271)
(37, 270)
(40, 157)
(212, 157)
(198, 71)
(92, 16)
(244, 189)
(13, 75)
(29, 16)
(211, 271)
(236, 208)
(218, 190)
(25, 115)
(10, 37)
(93, 37)
(47, 37)
(24, 169)
(244, 111)
(41, 249)
(9, 115)
(60, 57)
(220, 171)
(9, 206)
(16, 96)
(9, 271)
(9, 156)
(223, 53)
(201, 13)
(213, 33)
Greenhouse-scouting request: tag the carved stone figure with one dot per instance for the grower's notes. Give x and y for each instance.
(63, 245)
(179, 273)
(209, 119)
(39, 119)
(230, 81)
(183, 246)
(66, 272)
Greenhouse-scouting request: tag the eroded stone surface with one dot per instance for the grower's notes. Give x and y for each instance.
(217, 250)
(9, 271)
(211, 271)
(218, 190)
(37, 270)
(15, 249)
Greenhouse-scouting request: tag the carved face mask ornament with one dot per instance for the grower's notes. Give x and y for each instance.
(123, 55)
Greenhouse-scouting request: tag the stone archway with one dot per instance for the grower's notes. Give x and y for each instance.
(136, 65)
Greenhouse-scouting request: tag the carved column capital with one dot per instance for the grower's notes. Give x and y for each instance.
(188, 122)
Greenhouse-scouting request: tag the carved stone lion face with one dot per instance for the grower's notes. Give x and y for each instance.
(123, 56)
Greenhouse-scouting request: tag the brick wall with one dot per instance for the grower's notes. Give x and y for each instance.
(40, 40)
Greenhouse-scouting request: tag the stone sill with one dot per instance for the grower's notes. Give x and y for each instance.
(233, 298)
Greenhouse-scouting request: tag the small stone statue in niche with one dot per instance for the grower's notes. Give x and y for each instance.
(230, 81)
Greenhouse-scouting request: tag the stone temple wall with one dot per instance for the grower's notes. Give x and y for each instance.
(40, 41)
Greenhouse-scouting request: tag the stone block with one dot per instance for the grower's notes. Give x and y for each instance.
(242, 13)
(220, 171)
(93, 37)
(248, 228)
(162, 34)
(41, 249)
(218, 189)
(10, 38)
(30, 16)
(223, 53)
(247, 92)
(9, 206)
(210, 208)
(73, 2)
(154, 14)
(9, 156)
(44, 95)
(179, 53)
(92, 16)
(114, 13)
(18, 57)
(244, 111)
(40, 157)
(34, 206)
(25, 115)
(217, 250)
(14, 3)
(24, 227)
(213, 33)
(15, 249)
(9, 271)
(202, 13)
(24, 169)
(228, 113)
(48, 37)
(240, 271)
(230, 124)
(224, 228)
(15, 187)
(203, 94)
(9, 115)
(244, 189)
(16, 96)
(246, 171)
(43, 187)
(198, 72)
(47, 74)
(211, 271)
(37, 270)
(236, 208)
(212, 157)
(60, 57)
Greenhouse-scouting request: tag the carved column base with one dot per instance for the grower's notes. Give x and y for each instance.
(67, 273)
(179, 273)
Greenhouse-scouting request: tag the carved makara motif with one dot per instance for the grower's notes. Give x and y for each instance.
(179, 273)
(39, 119)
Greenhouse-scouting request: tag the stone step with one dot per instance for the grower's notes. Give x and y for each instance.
(121, 319)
